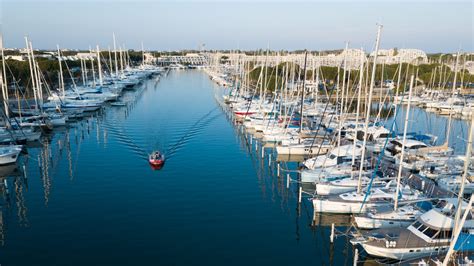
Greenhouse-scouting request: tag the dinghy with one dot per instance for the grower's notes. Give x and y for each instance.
(156, 159)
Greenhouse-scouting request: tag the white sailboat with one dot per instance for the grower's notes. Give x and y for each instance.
(434, 232)
(430, 234)
(9, 154)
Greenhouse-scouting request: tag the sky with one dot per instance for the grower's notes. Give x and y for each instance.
(433, 26)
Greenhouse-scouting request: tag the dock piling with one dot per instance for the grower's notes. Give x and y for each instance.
(24, 171)
(331, 237)
(287, 180)
(5, 183)
(300, 194)
(356, 256)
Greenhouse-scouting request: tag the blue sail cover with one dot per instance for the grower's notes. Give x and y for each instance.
(465, 242)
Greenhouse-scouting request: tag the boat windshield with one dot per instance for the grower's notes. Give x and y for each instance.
(424, 205)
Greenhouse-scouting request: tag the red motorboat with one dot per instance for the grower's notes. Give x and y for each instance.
(156, 160)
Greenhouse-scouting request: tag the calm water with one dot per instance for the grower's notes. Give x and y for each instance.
(95, 200)
(89, 196)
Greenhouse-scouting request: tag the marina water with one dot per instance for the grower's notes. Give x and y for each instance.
(90, 197)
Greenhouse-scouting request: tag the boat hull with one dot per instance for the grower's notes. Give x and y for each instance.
(9, 156)
(374, 223)
(327, 206)
(329, 189)
(289, 150)
(403, 253)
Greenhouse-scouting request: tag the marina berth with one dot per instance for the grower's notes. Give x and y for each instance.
(323, 136)
(305, 147)
(395, 147)
(431, 233)
(353, 202)
(9, 154)
(383, 217)
(349, 183)
(331, 173)
(338, 155)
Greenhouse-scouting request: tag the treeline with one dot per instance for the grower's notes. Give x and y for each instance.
(19, 75)
(428, 74)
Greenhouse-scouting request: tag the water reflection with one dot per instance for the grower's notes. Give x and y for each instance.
(46, 159)
(279, 181)
(91, 180)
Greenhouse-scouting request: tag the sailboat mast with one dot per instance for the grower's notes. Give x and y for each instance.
(92, 67)
(61, 80)
(82, 73)
(448, 132)
(458, 55)
(99, 67)
(86, 80)
(398, 83)
(313, 69)
(456, 233)
(121, 60)
(115, 56)
(457, 226)
(344, 68)
(465, 173)
(110, 63)
(39, 89)
(3, 81)
(359, 92)
(317, 77)
(303, 90)
(33, 80)
(369, 103)
(265, 78)
(344, 84)
(402, 154)
(127, 58)
(143, 55)
(337, 89)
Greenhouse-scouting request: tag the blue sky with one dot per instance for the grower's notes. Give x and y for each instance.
(434, 26)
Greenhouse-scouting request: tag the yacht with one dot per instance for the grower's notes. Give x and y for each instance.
(403, 216)
(9, 154)
(430, 234)
(354, 202)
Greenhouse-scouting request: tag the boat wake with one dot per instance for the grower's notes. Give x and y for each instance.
(142, 152)
(123, 138)
(192, 131)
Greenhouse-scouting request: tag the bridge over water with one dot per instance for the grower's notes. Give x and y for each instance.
(189, 59)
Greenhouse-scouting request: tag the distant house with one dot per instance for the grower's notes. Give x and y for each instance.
(86, 56)
(469, 65)
(394, 56)
(47, 56)
(17, 57)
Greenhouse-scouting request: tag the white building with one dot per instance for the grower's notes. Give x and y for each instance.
(16, 57)
(149, 58)
(86, 56)
(469, 65)
(352, 56)
(393, 56)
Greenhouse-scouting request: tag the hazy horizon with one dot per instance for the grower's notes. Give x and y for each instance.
(439, 26)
